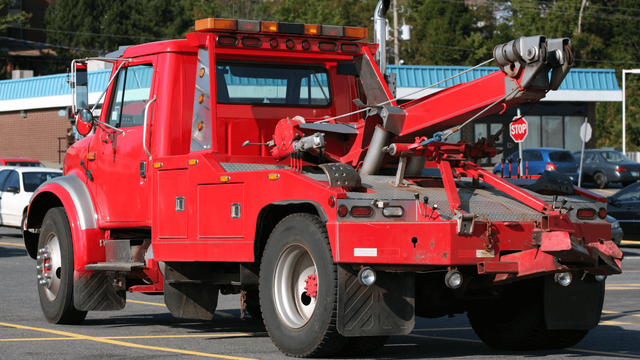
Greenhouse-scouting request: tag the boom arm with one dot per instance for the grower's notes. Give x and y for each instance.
(525, 66)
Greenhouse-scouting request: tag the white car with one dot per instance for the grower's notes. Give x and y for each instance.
(17, 184)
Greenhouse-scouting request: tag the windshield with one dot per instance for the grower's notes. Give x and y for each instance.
(614, 156)
(562, 156)
(264, 84)
(24, 164)
(31, 180)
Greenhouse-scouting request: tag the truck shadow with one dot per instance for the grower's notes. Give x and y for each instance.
(6, 252)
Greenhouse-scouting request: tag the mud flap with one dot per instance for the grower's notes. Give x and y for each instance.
(574, 307)
(96, 291)
(186, 297)
(384, 308)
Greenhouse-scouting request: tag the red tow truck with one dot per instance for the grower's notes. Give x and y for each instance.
(270, 159)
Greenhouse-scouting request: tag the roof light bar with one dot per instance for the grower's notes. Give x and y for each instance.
(273, 27)
(249, 26)
(216, 24)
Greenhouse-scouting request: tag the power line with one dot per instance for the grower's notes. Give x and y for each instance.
(47, 45)
(93, 34)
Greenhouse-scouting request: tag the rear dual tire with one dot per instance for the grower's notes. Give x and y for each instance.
(300, 325)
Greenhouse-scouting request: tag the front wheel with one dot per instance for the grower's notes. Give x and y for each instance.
(298, 288)
(55, 270)
(600, 180)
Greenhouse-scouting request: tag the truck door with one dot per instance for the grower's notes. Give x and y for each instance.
(120, 174)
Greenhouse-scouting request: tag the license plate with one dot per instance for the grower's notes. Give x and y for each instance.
(634, 173)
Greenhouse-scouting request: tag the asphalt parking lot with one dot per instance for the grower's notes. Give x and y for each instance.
(146, 330)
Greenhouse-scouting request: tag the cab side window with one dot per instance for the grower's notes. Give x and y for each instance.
(4, 174)
(13, 180)
(130, 96)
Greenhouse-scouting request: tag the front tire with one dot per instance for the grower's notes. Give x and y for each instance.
(55, 269)
(296, 256)
(600, 180)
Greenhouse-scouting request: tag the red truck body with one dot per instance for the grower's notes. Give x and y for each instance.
(166, 195)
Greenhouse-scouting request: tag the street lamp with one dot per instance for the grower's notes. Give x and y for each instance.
(624, 107)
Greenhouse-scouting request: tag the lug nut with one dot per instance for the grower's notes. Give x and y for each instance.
(47, 275)
(42, 282)
(47, 265)
(39, 267)
(39, 277)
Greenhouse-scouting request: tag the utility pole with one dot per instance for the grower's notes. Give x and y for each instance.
(395, 32)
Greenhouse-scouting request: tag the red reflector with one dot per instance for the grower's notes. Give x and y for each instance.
(327, 46)
(361, 211)
(621, 169)
(273, 43)
(586, 214)
(332, 201)
(250, 41)
(343, 211)
(551, 167)
(290, 44)
(602, 213)
(350, 48)
(227, 40)
(306, 45)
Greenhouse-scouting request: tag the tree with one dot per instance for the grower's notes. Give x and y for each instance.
(88, 27)
(5, 21)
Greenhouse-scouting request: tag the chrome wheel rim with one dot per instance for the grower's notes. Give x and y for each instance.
(49, 266)
(293, 267)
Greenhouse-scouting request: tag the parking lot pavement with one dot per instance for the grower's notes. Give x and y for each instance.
(144, 329)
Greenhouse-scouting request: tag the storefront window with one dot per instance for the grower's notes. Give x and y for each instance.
(572, 124)
(533, 133)
(552, 131)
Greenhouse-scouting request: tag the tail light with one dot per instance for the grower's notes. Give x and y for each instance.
(621, 169)
(586, 214)
(361, 211)
(551, 167)
(602, 213)
(343, 211)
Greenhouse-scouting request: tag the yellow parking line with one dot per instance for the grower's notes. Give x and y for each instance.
(574, 350)
(444, 329)
(223, 314)
(148, 337)
(607, 323)
(628, 242)
(604, 353)
(444, 338)
(121, 343)
(12, 244)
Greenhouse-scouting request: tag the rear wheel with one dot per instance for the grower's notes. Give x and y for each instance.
(516, 322)
(298, 288)
(600, 180)
(55, 270)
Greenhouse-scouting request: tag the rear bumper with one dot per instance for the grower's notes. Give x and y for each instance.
(512, 250)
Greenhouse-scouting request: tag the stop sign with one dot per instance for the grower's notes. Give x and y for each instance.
(518, 130)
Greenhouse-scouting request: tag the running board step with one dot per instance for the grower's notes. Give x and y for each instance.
(114, 266)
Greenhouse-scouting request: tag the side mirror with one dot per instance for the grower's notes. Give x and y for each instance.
(13, 189)
(84, 122)
(81, 86)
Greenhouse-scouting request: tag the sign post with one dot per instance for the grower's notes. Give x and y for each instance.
(518, 130)
(585, 135)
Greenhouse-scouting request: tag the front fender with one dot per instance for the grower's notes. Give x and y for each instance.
(72, 194)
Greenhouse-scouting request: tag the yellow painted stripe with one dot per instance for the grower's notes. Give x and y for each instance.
(444, 338)
(444, 329)
(121, 343)
(12, 244)
(629, 242)
(607, 323)
(40, 339)
(223, 314)
(605, 353)
(148, 337)
(574, 350)
(622, 288)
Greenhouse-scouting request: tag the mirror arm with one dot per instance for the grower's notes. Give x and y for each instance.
(109, 84)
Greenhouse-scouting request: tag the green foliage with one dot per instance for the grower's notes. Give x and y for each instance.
(21, 19)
